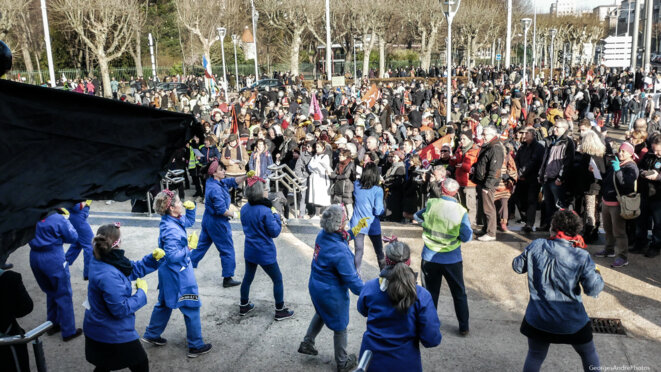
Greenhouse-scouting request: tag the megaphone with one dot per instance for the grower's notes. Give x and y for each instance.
(5, 58)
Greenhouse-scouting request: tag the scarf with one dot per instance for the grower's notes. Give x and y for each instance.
(228, 152)
(265, 202)
(577, 241)
(341, 165)
(116, 258)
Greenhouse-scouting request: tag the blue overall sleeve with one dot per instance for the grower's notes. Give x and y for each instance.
(428, 325)
(520, 263)
(141, 268)
(378, 202)
(190, 217)
(118, 304)
(346, 269)
(362, 309)
(67, 231)
(273, 224)
(174, 254)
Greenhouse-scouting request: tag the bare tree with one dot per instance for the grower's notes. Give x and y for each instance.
(135, 48)
(105, 27)
(424, 19)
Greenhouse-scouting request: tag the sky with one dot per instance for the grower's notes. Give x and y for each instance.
(544, 5)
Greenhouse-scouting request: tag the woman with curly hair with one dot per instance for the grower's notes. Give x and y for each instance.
(558, 268)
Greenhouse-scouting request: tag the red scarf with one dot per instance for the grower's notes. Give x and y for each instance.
(577, 241)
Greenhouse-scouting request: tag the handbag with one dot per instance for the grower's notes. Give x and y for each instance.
(629, 204)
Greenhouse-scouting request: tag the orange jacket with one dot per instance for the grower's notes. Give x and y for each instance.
(463, 164)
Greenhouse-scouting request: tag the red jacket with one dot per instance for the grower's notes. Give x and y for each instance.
(463, 164)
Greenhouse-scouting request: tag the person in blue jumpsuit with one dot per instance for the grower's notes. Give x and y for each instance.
(51, 271)
(216, 221)
(111, 341)
(78, 214)
(332, 275)
(177, 287)
(261, 224)
(400, 315)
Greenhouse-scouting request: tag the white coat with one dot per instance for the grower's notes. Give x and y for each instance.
(319, 181)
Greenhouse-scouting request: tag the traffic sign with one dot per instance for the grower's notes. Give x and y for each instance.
(497, 57)
(617, 51)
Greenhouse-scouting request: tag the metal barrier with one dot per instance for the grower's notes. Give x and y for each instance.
(283, 175)
(31, 336)
(172, 177)
(364, 362)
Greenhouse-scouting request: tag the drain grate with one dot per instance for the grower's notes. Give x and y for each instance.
(607, 326)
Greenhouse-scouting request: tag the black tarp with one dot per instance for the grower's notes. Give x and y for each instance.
(58, 148)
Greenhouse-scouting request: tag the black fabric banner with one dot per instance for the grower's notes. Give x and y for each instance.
(59, 147)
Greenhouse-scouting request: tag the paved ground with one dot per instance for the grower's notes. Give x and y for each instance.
(497, 300)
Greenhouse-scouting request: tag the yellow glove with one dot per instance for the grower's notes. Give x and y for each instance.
(596, 268)
(250, 173)
(141, 284)
(189, 205)
(274, 210)
(237, 215)
(88, 202)
(192, 240)
(158, 253)
(362, 223)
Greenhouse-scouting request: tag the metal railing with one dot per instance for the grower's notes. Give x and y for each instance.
(364, 362)
(283, 175)
(31, 336)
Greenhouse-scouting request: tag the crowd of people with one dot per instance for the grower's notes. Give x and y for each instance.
(384, 152)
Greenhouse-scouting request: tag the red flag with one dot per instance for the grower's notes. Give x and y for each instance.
(235, 121)
(372, 95)
(251, 101)
(433, 151)
(315, 109)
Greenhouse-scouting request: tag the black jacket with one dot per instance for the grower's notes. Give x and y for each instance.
(625, 179)
(558, 159)
(342, 188)
(529, 159)
(16, 304)
(650, 190)
(489, 164)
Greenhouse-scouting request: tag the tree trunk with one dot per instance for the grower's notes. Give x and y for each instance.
(426, 53)
(207, 55)
(294, 52)
(138, 54)
(473, 41)
(423, 47)
(27, 59)
(41, 77)
(105, 74)
(382, 57)
(367, 49)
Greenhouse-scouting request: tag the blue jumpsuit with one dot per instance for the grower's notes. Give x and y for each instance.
(78, 214)
(52, 271)
(177, 287)
(394, 337)
(216, 227)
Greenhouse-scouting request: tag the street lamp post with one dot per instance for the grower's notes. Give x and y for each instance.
(354, 59)
(500, 51)
(564, 58)
(255, 17)
(151, 53)
(508, 41)
(534, 40)
(235, 40)
(329, 46)
(449, 8)
(553, 33)
(49, 52)
(222, 31)
(526, 26)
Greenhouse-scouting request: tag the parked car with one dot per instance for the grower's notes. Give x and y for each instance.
(179, 88)
(263, 84)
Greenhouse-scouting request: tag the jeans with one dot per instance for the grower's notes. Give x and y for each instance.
(273, 271)
(359, 248)
(161, 315)
(554, 198)
(432, 277)
(615, 228)
(339, 339)
(537, 351)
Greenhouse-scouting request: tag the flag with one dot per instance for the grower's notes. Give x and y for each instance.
(372, 95)
(235, 121)
(315, 109)
(207, 68)
(433, 150)
(251, 101)
(88, 148)
(248, 44)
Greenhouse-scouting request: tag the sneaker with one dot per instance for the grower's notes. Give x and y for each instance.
(486, 238)
(56, 328)
(307, 348)
(526, 229)
(605, 253)
(160, 341)
(349, 365)
(282, 314)
(245, 309)
(79, 331)
(620, 262)
(464, 332)
(229, 282)
(194, 353)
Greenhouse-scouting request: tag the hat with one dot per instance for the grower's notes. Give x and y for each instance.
(232, 137)
(213, 167)
(628, 147)
(341, 141)
(590, 116)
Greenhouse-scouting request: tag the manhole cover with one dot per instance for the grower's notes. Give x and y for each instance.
(608, 326)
